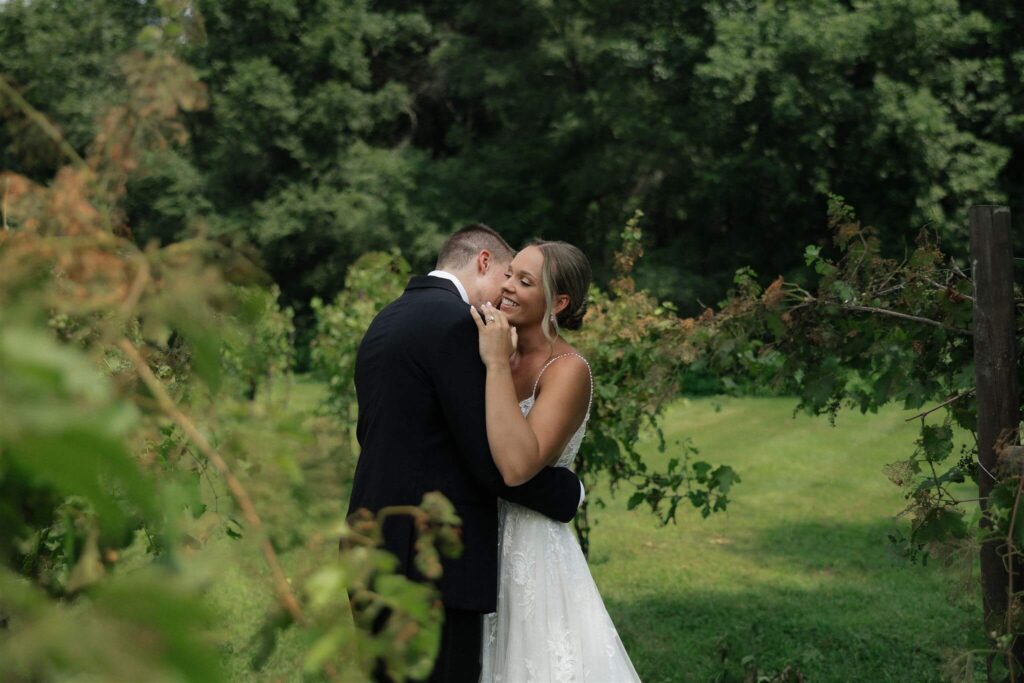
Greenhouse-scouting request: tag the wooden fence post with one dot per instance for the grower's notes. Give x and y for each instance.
(995, 363)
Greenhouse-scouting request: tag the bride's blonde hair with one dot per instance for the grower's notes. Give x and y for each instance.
(566, 270)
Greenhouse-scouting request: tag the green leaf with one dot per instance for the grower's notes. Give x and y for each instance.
(775, 324)
(89, 568)
(941, 524)
(326, 586)
(84, 462)
(698, 498)
(954, 474)
(324, 649)
(156, 604)
(700, 471)
(428, 560)
(936, 441)
(606, 446)
(723, 478)
(406, 596)
(205, 343)
(843, 291)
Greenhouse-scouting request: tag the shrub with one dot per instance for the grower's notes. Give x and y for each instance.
(374, 280)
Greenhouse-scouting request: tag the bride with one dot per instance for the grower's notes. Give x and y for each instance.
(550, 624)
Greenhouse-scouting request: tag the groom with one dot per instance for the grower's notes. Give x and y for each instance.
(420, 386)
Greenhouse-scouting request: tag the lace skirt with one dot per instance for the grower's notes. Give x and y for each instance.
(551, 625)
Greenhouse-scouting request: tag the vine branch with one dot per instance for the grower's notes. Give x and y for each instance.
(38, 118)
(1010, 572)
(905, 316)
(3, 207)
(952, 399)
(238, 492)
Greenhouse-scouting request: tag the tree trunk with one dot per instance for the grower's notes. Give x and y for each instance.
(995, 360)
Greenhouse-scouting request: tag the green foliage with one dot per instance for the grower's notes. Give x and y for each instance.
(74, 488)
(64, 55)
(878, 330)
(373, 281)
(344, 127)
(131, 472)
(166, 623)
(844, 342)
(303, 151)
(262, 346)
(637, 347)
(63, 426)
(411, 612)
(809, 79)
(727, 121)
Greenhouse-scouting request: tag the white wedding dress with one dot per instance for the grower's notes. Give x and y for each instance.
(551, 625)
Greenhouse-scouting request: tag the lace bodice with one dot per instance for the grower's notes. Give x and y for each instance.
(573, 447)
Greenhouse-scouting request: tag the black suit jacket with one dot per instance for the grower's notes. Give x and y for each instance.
(420, 386)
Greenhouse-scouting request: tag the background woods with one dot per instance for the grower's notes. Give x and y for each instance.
(205, 203)
(336, 128)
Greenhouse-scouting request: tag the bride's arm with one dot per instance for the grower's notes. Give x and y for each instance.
(460, 386)
(522, 447)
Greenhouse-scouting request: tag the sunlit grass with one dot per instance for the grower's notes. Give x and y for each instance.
(799, 570)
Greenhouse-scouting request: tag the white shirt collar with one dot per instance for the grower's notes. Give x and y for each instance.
(448, 276)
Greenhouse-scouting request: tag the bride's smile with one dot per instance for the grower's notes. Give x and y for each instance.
(522, 296)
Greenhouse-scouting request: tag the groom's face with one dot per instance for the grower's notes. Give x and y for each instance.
(491, 282)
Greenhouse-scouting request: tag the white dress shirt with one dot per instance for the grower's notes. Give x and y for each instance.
(445, 275)
(448, 276)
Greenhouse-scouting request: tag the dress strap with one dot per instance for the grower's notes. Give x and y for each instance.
(590, 374)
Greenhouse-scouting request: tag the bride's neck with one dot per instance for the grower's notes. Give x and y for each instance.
(531, 341)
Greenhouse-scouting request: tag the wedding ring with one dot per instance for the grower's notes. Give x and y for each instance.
(490, 319)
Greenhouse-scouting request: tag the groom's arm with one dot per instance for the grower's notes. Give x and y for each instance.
(554, 492)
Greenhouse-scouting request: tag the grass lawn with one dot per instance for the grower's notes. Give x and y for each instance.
(798, 571)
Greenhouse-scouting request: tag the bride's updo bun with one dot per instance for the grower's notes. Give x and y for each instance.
(566, 271)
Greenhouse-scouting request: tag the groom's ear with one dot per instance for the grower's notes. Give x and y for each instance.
(483, 261)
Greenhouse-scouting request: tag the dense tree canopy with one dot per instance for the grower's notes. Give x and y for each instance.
(339, 127)
(728, 123)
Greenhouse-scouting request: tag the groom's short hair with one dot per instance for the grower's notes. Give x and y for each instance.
(466, 243)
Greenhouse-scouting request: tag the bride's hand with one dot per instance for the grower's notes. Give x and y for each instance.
(497, 338)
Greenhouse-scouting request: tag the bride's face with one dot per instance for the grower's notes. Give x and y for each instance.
(522, 295)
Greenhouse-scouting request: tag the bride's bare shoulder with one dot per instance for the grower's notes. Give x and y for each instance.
(568, 368)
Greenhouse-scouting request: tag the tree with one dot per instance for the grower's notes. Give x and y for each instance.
(339, 127)
(728, 122)
(113, 457)
(875, 330)
(304, 148)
